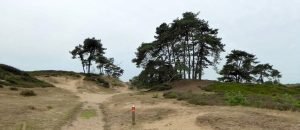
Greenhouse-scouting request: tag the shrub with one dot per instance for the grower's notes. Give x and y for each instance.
(27, 93)
(235, 98)
(170, 95)
(155, 95)
(13, 89)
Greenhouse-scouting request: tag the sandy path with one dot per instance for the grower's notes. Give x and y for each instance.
(90, 100)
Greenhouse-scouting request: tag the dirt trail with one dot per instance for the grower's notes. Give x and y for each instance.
(160, 114)
(90, 99)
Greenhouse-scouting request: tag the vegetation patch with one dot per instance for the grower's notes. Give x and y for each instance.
(11, 76)
(27, 93)
(99, 80)
(88, 113)
(105, 81)
(55, 73)
(13, 89)
(235, 98)
(255, 95)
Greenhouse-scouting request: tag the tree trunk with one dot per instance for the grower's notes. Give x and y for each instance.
(184, 60)
(83, 68)
(201, 61)
(189, 54)
(193, 63)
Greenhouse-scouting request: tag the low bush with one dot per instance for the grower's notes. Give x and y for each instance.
(271, 96)
(162, 87)
(170, 94)
(13, 89)
(27, 93)
(155, 95)
(235, 98)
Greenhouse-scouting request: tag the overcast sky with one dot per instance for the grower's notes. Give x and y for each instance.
(38, 34)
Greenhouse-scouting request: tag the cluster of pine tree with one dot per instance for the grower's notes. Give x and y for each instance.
(92, 51)
(243, 67)
(184, 48)
(181, 49)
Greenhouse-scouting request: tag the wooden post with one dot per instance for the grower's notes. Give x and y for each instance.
(133, 114)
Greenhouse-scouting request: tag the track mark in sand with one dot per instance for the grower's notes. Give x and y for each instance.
(91, 101)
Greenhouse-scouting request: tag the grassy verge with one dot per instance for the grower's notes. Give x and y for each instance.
(262, 96)
(54, 73)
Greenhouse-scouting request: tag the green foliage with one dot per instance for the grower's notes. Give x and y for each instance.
(257, 89)
(241, 67)
(234, 98)
(271, 96)
(54, 73)
(170, 94)
(11, 76)
(160, 87)
(27, 93)
(197, 98)
(92, 51)
(238, 67)
(182, 49)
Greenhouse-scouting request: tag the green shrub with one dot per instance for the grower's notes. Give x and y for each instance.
(184, 96)
(155, 95)
(27, 93)
(13, 89)
(170, 95)
(235, 98)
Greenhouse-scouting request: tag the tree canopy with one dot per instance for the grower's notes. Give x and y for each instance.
(181, 49)
(243, 67)
(92, 51)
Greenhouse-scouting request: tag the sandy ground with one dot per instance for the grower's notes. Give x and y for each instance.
(167, 114)
(90, 95)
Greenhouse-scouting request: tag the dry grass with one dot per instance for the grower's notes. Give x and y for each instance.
(118, 111)
(50, 109)
(250, 120)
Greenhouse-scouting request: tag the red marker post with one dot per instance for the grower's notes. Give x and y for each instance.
(133, 114)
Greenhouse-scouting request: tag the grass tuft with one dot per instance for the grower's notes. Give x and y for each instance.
(88, 113)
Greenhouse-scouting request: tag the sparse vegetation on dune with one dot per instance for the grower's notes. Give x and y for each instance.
(50, 109)
(54, 73)
(11, 76)
(105, 81)
(270, 96)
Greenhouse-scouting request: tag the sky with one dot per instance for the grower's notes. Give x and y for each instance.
(38, 34)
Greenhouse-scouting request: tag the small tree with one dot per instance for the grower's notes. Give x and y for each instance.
(92, 51)
(93, 48)
(262, 71)
(80, 52)
(238, 67)
(241, 67)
